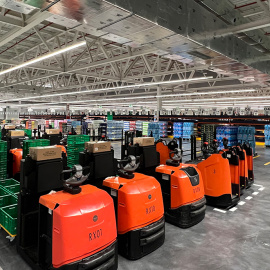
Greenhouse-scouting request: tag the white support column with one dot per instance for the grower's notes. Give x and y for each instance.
(159, 101)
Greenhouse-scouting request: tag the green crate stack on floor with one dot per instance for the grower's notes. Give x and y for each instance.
(9, 190)
(3, 160)
(75, 145)
(209, 131)
(33, 143)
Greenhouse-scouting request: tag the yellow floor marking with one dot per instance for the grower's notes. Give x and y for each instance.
(8, 232)
(267, 163)
(256, 156)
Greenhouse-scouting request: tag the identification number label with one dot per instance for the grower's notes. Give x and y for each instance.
(150, 210)
(95, 235)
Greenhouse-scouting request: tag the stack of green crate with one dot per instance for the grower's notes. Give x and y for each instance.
(3, 160)
(9, 190)
(209, 131)
(33, 143)
(75, 145)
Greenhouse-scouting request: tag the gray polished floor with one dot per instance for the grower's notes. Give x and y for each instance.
(238, 240)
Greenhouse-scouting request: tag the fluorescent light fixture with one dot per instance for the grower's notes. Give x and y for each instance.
(43, 57)
(217, 99)
(164, 96)
(208, 93)
(111, 88)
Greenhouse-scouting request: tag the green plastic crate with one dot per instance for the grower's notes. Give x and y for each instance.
(71, 139)
(8, 218)
(75, 145)
(3, 146)
(9, 182)
(3, 176)
(13, 189)
(8, 200)
(3, 191)
(3, 156)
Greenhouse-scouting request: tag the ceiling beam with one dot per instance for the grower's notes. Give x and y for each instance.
(34, 20)
(190, 20)
(259, 24)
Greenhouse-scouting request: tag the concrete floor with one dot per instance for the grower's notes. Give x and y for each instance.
(224, 241)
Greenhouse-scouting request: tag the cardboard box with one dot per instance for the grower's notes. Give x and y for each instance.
(16, 133)
(9, 127)
(52, 131)
(98, 147)
(144, 141)
(45, 153)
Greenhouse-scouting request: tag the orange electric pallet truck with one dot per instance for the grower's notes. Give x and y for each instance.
(249, 153)
(183, 199)
(139, 210)
(14, 150)
(165, 150)
(54, 138)
(66, 230)
(14, 166)
(243, 164)
(215, 170)
(182, 190)
(138, 201)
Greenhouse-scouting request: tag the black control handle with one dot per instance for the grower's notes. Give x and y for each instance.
(72, 184)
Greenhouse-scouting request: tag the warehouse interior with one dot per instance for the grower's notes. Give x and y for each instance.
(112, 107)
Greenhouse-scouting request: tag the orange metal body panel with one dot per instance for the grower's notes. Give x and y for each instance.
(17, 157)
(244, 166)
(182, 191)
(215, 171)
(164, 152)
(250, 163)
(235, 174)
(140, 201)
(83, 224)
(64, 150)
(235, 171)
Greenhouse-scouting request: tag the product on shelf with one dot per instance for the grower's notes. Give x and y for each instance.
(139, 125)
(247, 135)
(163, 129)
(154, 130)
(183, 129)
(132, 125)
(178, 129)
(126, 125)
(145, 128)
(229, 132)
(114, 129)
(267, 135)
